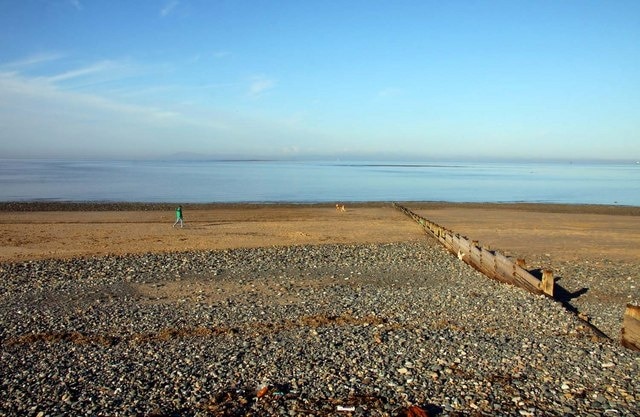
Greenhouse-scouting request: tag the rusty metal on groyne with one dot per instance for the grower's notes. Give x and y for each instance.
(491, 263)
(499, 267)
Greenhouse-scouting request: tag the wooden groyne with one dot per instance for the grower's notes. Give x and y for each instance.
(491, 263)
(499, 267)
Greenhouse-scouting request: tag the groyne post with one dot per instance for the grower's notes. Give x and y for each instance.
(548, 282)
(631, 327)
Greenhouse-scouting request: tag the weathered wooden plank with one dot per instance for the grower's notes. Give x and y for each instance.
(488, 263)
(484, 271)
(511, 273)
(504, 268)
(475, 254)
(631, 327)
(548, 282)
(448, 239)
(503, 263)
(526, 280)
(463, 245)
(488, 259)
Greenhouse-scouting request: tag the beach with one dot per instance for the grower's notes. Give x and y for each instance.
(109, 310)
(554, 231)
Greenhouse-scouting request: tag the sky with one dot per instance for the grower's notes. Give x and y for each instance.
(283, 79)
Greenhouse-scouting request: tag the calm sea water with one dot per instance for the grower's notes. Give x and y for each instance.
(305, 182)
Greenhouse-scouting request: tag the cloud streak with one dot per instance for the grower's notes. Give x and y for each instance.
(32, 61)
(259, 84)
(49, 118)
(99, 67)
(168, 8)
(42, 90)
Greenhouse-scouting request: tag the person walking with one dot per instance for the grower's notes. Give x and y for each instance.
(179, 217)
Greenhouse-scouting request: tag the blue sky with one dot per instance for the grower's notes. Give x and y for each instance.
(291, 79)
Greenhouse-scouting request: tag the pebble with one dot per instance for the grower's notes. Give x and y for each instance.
(373, 328)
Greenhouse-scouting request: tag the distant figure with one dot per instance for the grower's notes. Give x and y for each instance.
(179, 217)
(340, 207)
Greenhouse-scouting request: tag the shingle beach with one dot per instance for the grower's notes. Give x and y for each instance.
(366, 329)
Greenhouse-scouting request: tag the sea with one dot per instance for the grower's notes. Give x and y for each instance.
(260, 181)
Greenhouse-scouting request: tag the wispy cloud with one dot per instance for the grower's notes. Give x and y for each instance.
(76, 4)
(99, 67)
(259, 84)
(56, 114)
(169, 7)
(68, 112)
(49, 121)
(32, 60)
(17, 87)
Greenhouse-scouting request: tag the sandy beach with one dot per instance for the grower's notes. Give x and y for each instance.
(540, 231)
(107, 309)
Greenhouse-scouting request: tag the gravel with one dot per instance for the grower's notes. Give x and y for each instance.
(305, 330)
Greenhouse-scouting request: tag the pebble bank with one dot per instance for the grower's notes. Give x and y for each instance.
(362, 330)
